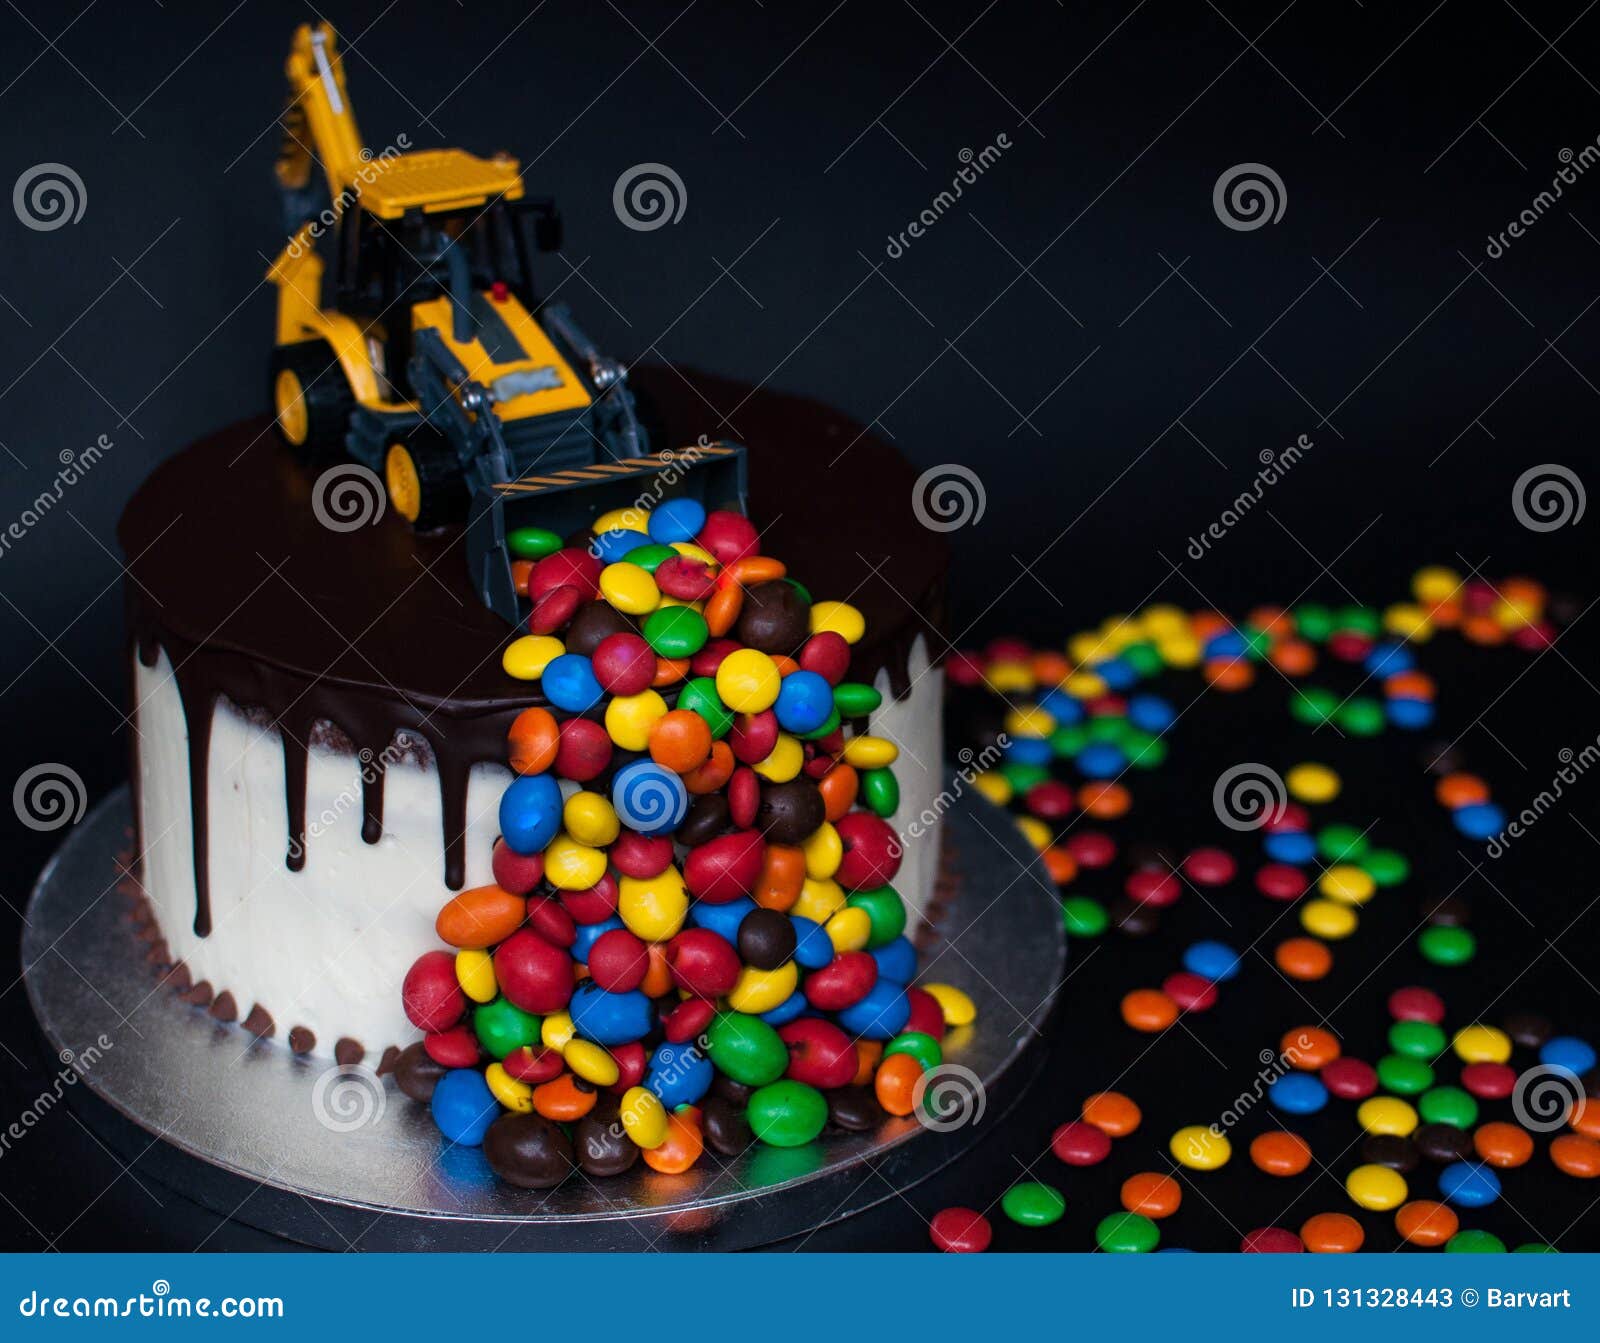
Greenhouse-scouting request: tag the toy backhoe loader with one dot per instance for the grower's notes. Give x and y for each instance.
(427, 355)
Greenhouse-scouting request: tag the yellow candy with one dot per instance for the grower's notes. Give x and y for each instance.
(571, 866)
(1160, 621)
(506, 1089)
(644, 1117)
(996, 787)
(654, 908)
(1035, 831)
(1482, 1044)
(629, 718)
(838, 618)
(760, 991)
(1180, 651)
(1409, 622)
(629, 588)
(695, 552)
(824, 852)
(849, 929)
(1199, 1148)
(1376, 1188)
(1010, 678)
(1386, 1114)
(630, 519)
(1513, 614)
(556, 1031)
(527, 657)
(1328, 919)
(1030, 721)
(591, 819)
(1435, 584)
(957, 1006)
(1312, 783)
(869, 752)
(818, 899)
(786, 761)
(591, 1062)
(748, 680)
(1347, 883)
(1084, 685)
(475, 974)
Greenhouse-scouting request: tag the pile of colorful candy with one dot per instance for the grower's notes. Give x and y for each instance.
(691, 940)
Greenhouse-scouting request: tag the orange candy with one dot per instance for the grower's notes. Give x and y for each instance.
(520, 569)
(783, 873)
(1411, 685)
(755, 569)
(658, 975)
(480, 917)
(1204, 624)
(682, 1147)
(1050, 669)
(669, 671)
(563, 1100)
(533, 737)
(1332, 1233)
(838, 787)
(1424, 1222)
(680, 741)
(714, 773)
(1151, 1194)
(896, 1082)
(1149, 1010)
(1461, 790)
(1576, 1155)
(1060, 864)
(1229, 673)
(1309, 1047)
(1104, 800)
(868, 1052)
(1303, 958)
(1280, 1153)
(1484, 630)
(723, 608)
(786, 666)
(1445, 614)
(1585, 1117)
(1293, 657)
(1112, 1112)
(1503, 1145)
(1273, 620)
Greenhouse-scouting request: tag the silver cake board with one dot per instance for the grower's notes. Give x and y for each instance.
(337, 1159)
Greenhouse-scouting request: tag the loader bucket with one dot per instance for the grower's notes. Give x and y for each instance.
(567, 502)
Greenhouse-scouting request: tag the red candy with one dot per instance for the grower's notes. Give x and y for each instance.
(432, 998)
(513, 871)
(728, 536)
(534, 975)
(1051, 800)
(964, 669)
(1153, 887)
(926, 1014)
(1279, 881)
(1349, 645)
(872, 851)
(553, 610)
(744, 797)
(703, 963)
(1271, 1240)
(1416, 1004)
(1080, 1144)
(454, 1048)
(595, 905)
(1489, 1081)
(724, 868)
(534, 1064)
(828, 655)
(845, 980)
(631, 1061)
(820, 1054)
(1349, 1079)
(1092, 849)
(688, 1019)
(753, 736)
(1210, 867)
(624, 664)
(640, 856)
(584, 750)
(1291, 816)
(709, 658)
(960, 1231)
(553, 923)
(618, 961)
(1192, 992)
(566, 568)
(685, 578)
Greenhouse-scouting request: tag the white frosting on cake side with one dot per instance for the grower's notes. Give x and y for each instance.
(916, 725)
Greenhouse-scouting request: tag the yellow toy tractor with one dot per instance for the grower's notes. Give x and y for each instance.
(426, 354)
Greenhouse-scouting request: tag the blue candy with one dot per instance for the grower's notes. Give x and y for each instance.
(812, 947)
(1298, 1094)
(1151, 713)
(897, 961)
(1100, 760)
(881, 1015)
(1062, 707)
(1482, 820)
(1410, 713)
(723, 920)
(795, 1005)
(677, 520)
(1469, 1185)
(1569, 1052)
(1216, 961)
(589, 934)
(648, 798)
(679, 1074)
(1290, 846)
(805, 700)
(530, 813)
(1116, 673)
(1028, 750)
(1389, 660)
(1228, 644)
(609, 1018)
(463, 1106)
(615, 544)
(569, 683)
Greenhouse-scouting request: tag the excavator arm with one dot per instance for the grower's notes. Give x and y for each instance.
(318, 121)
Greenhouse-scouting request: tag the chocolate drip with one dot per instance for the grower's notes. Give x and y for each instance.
(372, 774)
(296, 763)
(199, 699)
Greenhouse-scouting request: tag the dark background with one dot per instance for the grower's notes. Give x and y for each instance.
(1080, 329)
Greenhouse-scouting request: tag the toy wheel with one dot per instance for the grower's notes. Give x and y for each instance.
(424, 481)
(311, 400)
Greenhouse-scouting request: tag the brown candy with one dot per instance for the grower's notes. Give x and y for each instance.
(766, 939)
(415, 1073)
(527, 1150)
(1529, 1029)
(790, 812)
(724, 1127)
(602, 1146)
(736, 1093)
(593, 623)
(1391, 1150)
(776, 618)
(706, 818)
(1443, 1143)
(854, 1109)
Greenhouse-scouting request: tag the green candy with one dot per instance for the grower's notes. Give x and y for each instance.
(1143, 658)
(1022, 777)
(1363, 619)
(1474, 1242)
(1083, 917)
(924, 1048)
(1536, 1247)
(1110, 728)
(1145, 751)
(1448, 1105)
(1417, 1040)
(1447, 946)
(880, 790)
(700, 695)
(532, 543)
(1033, 1204)
(1341, 843)
(502, 1026)
(1313, 705)
(1313, 621)
(787, 1114)
(676, 631)
(747, 1050)
(1256, 644)
(829, 726)
(1068, 740)
(1403, 1076)
(649, 558)
(854, 700)
(1127, 1233)
(1361, 717)
(1386, 867)
(885, 909)
(801, 588)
